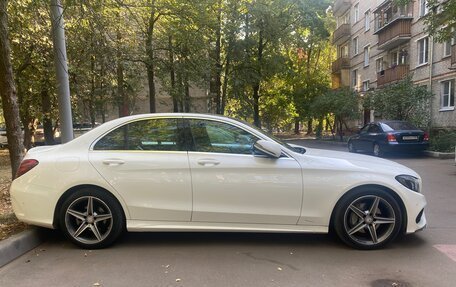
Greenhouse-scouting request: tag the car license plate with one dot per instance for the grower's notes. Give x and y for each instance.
(409, 138)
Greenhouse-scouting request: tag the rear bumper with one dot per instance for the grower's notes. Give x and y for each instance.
(405, 147)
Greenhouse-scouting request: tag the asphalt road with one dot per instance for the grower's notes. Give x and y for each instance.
(427, 258)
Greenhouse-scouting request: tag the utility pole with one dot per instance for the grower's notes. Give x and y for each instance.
(61, 67)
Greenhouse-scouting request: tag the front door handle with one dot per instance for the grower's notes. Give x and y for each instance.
(208, 162)
(113, 162)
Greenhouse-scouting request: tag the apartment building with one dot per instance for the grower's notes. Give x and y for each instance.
(379, 43)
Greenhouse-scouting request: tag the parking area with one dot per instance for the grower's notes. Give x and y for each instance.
(427, 258)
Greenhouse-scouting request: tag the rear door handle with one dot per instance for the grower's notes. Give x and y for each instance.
(113, 162)
(208, 162)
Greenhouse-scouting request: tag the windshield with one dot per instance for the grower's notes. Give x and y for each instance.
(397, 126)
(276, 139)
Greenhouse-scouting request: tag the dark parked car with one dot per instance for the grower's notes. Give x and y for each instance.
(389, 136)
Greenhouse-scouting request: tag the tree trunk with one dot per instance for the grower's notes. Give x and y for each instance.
(256, 87)
(296, 126)
(187, 95)
(47, 121)
(216, 82)
(172, 74)
(309, 126)
(8, 95)
(150, 67)
(124, 109)
(225, 83)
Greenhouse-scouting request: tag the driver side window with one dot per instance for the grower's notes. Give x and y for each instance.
(212, 136)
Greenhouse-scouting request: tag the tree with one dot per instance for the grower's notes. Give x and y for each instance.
(8, 94)
(343, 104)
(403, 101)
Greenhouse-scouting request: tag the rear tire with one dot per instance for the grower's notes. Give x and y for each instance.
(351, 147)
(377, 150)
(368, 218)
(91, 218)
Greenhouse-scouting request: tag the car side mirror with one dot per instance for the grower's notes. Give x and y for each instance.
(269, 148)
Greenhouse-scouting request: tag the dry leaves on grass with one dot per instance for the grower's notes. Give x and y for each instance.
(8, 222)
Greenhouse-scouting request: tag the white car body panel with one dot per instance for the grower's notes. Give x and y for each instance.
(245, 189)
(295, 194)
(153, 184)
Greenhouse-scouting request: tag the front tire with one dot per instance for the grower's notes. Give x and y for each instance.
(368, 218)
(91, 218)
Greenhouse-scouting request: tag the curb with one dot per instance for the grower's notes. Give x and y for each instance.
(18, 244)
(441, 155)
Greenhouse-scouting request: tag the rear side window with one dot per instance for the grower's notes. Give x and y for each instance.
(151, 135)
(212, 136)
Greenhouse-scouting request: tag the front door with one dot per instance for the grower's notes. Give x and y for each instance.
(231, 185)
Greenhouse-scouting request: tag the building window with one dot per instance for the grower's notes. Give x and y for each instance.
(447, 94)
(355, 46)
(356, 12)
(379, 65)
(366, 86)
(366, 56)
(423, 51)
(343, 51)
(355, 79)
(423, 7)
(367, 20)
(447, 48)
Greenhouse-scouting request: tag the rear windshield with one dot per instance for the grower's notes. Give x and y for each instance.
(397, 126)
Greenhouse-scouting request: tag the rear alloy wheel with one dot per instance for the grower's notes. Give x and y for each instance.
(351, 147)
(368, 219)
(91, 219)
(377, 150)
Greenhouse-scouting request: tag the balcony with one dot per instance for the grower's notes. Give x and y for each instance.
(392, 75)
(341, 34)
(453, 56)
(340, 64)
(340, 7)
(394, 33)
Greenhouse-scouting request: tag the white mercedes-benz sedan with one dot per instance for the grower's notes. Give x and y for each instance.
(193, 172)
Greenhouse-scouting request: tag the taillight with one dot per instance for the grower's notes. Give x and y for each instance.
(426, 137)
(391, 138)
(26, 166)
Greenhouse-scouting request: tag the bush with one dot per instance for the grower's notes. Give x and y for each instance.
(443, 141)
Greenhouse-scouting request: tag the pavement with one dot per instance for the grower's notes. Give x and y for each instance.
(427, 258)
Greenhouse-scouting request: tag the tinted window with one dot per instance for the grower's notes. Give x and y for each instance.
(364, 129)
(397, 126)
(153, 134)
(211, 136)
(374, 129)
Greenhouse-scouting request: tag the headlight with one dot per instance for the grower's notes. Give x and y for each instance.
(409, 181)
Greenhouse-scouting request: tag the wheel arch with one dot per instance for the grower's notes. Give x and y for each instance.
(67, 193)
(367, 186)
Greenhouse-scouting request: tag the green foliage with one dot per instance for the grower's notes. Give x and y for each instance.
(443, 141)
(272, 57)
(343, 103)
(401, 101)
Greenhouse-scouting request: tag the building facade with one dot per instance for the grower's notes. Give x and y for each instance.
(379, 43)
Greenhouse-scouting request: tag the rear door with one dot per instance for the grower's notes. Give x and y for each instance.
(146, 161)
(231, 185)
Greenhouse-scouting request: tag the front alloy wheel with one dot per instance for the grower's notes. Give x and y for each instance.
(368, 220)
(91, 219)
